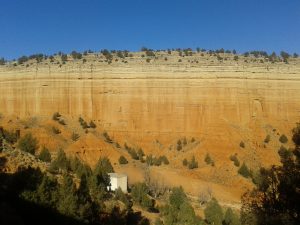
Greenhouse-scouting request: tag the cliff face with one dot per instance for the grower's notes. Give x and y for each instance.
(158, 102)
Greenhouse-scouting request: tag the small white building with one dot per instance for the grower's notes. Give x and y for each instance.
(118, 180)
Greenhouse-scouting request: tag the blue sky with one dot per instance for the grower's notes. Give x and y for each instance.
(48, 26)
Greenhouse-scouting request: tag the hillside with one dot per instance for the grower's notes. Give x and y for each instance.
(152, 105)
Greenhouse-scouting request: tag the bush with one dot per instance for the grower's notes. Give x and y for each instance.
(179, 210)
(140, 154)
(75, 136)
(60, 162)
(267, 139)
(64, 58)
(107, 137)
(236, 58)
(193, 163)
(208, 159)
(164, 159)
(62, 122)
(133, 154)
(284, 55)
(122, 160)
(235, 160)
(242, 144)
(179, 145)
(231, 218)
(56, 130)
(284, 154)
(10, 136)
(76, 55)
(139, 193)
(283, 139)
(45, 155)
(22, 59)
(244, 171)
(92, 124)
(149, 160)
(121, 196)
(56, 116)
(213, 212)
(28, 144)
(84, 125)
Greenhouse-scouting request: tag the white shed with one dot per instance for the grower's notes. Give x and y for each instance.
(118, 180)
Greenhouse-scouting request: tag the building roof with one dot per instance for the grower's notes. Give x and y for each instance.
(117, 175)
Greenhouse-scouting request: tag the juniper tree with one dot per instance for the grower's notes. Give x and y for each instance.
(213, 212)
(28, 144)
(45, 155)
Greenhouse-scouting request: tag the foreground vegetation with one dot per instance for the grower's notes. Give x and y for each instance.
(71, 192)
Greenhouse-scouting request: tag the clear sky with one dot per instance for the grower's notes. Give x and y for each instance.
(48, 26)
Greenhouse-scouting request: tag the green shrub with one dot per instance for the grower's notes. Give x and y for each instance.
(10, 136)
(122, 160)
(107, 137)
(235, 160)
(179, 145)
(60, 162)
(139, 193)
(193, 163)
(244, 171)
(64, 58)
(178, 210)
(28, 144)
(80, 168)
(56, 116)
(242, 144)
(62, 122)
(231, 218)
(133, 154)
(56, 130)
(84, 125)
(213, 212)
(75, 136)
(208, 159)
(121, 196)
(92, 124)
(157, 161)
(164, 159)
(76, 55)
(149, 160)
(267, 139)
(140, 153)
(283, 139)
(45, 155)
